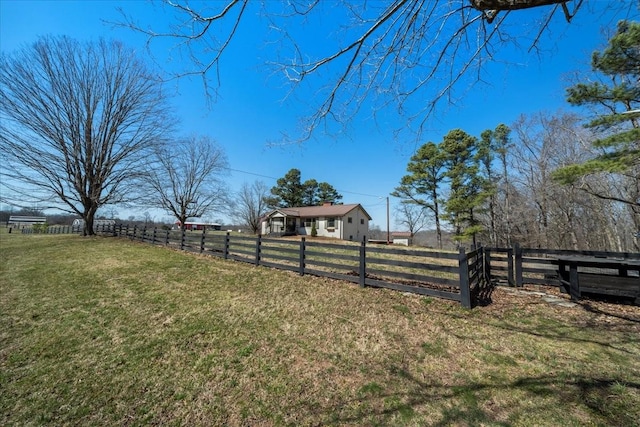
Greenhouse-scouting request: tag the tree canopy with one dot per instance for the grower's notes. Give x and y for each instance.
(615, 93)
(184, 178)
(290, 191)
(76, 123)
(388, 53)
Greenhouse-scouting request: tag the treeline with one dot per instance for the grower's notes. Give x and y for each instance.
(551, 181)
(502, 188)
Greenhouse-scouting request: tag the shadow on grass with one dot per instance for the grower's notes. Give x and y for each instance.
(588, 306)
(482, 294)
(547, 397)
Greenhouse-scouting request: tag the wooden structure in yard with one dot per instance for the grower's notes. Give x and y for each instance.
(25, 221)
(578, 273)
(606, 276)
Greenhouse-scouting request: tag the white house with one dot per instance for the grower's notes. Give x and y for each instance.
(346, 222)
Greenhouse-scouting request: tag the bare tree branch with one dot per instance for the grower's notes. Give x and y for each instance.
(76, 123)
(185, 178)
(390, 53)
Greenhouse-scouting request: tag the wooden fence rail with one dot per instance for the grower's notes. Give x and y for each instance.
(462, 276)
(440, 274)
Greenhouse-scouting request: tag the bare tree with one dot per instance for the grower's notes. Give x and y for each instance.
(412, 216)
(251, 204)
(185, 178)
(76, 123)
(389, 52)
(549, 214)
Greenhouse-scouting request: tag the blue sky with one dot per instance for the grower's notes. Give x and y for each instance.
(251, 111)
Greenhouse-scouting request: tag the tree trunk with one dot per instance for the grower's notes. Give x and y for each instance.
(437, 217)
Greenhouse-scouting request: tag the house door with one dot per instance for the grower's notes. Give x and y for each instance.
(291, 225)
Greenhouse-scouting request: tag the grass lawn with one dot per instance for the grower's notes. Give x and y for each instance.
(104, 331)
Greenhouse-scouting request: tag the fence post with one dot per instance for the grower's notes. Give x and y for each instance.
(510, 266)
(574, 286)
(202, 239)
(144, 233)
(302, 248)
(166, 238)
(362, 273)
(135, 231)
(226, 245)
(258, 245)
(486, 268)
(182, 237)
(465, 291)
(518, 261)
(153, 239)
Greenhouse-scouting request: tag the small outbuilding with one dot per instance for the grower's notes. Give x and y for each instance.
(402, 238)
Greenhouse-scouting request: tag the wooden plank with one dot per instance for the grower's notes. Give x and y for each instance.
(294, 251)
(414, 277)
(310, 254)
(317, 263)
(611, 285)
(535, 281)
(279, 266)
(418, 265)
(279, 257)
(544, 261)
(409, 252)
(331, 246)
(526, 269)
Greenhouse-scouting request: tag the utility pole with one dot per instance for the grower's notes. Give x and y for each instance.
(388, 231)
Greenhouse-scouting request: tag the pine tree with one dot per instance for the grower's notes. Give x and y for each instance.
(467, 191)
(619, 99)
(422, 186)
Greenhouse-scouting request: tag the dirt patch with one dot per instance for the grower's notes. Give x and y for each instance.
(503, 298)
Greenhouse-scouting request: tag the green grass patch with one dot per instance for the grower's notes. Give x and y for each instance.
(105, 331)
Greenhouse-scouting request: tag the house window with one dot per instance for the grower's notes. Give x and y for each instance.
(331, 222)
(309, 222)
(361, 220)
(349, 220)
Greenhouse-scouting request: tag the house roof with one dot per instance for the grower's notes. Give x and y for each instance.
(316, 211)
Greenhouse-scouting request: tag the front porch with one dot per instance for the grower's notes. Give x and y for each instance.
(281, 226)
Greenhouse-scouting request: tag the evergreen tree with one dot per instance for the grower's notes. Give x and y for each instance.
(485, 156)
(291, 192)
(619, 124)
(422, 186)
(501, 144)
(466, 186)
(310, 193)
(326, 193)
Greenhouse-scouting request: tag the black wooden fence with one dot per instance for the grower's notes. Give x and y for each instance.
(454, 276)
(540, 266)
(465, 277)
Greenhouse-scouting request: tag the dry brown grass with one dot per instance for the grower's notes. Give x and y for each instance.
(106, 331)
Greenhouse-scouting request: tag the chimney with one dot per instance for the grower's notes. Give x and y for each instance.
(327, 203)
